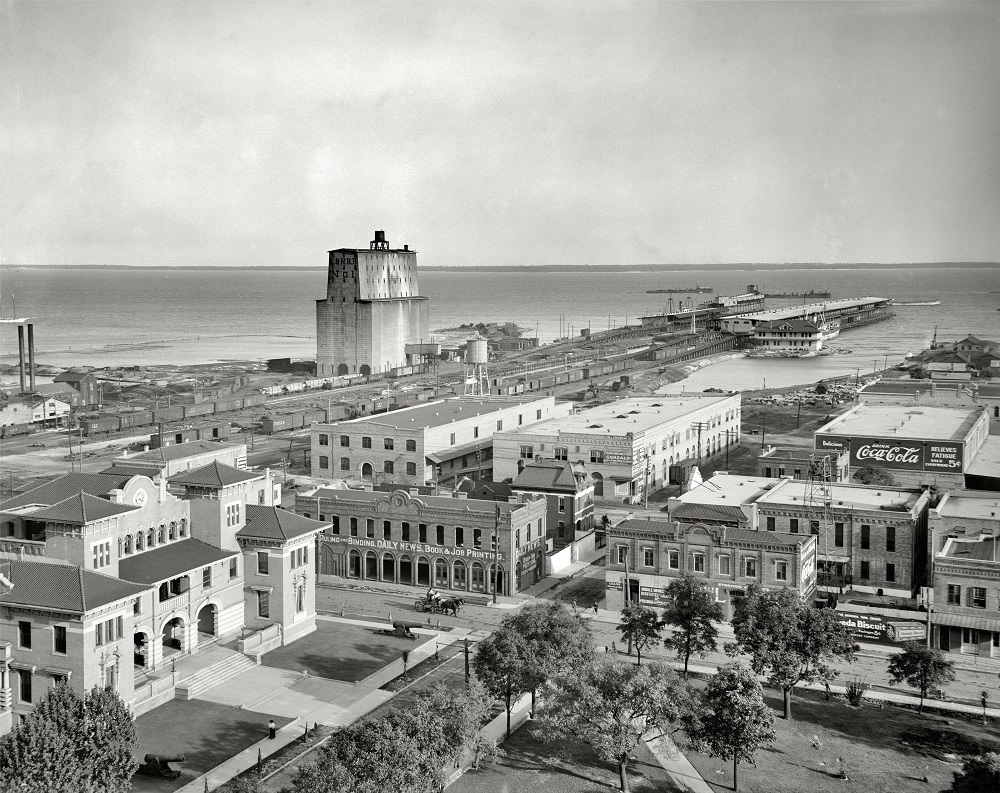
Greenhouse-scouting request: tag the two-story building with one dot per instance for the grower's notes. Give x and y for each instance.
(629, 445)
(569, 491)
(829, 466)
(460, 544)
(644, 556)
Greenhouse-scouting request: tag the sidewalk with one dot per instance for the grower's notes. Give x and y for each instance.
(675, 763)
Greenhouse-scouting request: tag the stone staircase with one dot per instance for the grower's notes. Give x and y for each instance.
(210, 676)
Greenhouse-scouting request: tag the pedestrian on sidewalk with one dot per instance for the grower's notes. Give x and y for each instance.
(595, 609)
(614, 649)
(272, 729)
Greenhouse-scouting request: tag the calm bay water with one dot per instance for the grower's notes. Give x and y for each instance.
(98, 317)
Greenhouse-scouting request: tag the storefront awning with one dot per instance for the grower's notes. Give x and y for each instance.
(963, 621)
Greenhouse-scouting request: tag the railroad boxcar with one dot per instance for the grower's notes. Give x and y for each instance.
(228, 405)
(199, 409)
(173, 413)
(253, 400)
(102, 423)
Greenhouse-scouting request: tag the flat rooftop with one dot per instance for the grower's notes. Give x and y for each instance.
(436, 414)
(729, 490)
(480, 506)
(841, 304)
(796, 491)
(633, 414)
(910, 387)
(985, 550)
(904, 421)
(972, 504)
(987, 459)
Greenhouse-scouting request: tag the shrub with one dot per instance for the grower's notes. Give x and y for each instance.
(855, 692)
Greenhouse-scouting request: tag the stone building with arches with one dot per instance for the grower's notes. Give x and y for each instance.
(629, 446)
(457, 544)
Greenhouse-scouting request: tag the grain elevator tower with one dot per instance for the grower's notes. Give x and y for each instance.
(372, 310)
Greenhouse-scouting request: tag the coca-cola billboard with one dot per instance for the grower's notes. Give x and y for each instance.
(900, 454)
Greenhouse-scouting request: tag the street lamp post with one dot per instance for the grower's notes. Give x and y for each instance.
(496, 553)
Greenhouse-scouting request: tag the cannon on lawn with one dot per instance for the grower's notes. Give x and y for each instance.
(401, 629)
(159, 765)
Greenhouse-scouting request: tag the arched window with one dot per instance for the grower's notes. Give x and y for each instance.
(121, 548)
(184, 527)
(128, 544)
(459, 572)
(161, 535)
(354, 564)
(478, 577)
(173, 530)
(150, 538)
(140, 540)
(441, 573)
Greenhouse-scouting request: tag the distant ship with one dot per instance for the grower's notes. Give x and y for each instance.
(696, 290)
(810, 293)
(919, 303)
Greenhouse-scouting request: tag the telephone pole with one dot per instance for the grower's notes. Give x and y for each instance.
(496, 553)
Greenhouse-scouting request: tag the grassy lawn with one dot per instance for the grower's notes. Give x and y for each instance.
(888, 749)
(205, 733)
(560, 767)
(339, 651)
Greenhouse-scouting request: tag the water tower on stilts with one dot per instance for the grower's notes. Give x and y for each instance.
(476, 359)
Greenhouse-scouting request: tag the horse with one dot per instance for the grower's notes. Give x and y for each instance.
(452, 604)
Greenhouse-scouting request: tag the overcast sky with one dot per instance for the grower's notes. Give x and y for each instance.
(499, 132)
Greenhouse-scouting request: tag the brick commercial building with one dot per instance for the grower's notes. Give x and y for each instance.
(964, 539)
(833, 466)
(432, 443)
(569, 491)
(918, 445)
(425, 541)
(629, 446)
(726, 559)
(371, 311)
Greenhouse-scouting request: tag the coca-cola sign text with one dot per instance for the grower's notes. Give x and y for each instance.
(884, 453)
(910, 455)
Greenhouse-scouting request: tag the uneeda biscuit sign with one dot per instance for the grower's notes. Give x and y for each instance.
(876, 628)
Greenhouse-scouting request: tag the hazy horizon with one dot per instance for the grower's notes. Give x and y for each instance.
(498, 134)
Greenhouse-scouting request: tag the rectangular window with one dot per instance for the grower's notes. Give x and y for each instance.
(459, 537)
(750, 567)
(724, 565)
(770, 524)
(622, 553)
(324, 439)
(354, 527)
(387, 442)
(977, 597)
(517, 538)
(335, 524)
(477, 538)
(793, 525)
(261, 562)
(411, 446)
(59, 639)
(674, 560)
(411, 469)
(451, 439)
(234, 568)
(865, 570)
(263, 604)
(528, 539)
(406, 531)
(345, 463)
(422, 532)
(206, 578)
(24, 635)
(366, 442)
(370, 528)
(596, 456)
(520, 419)
(890, 539)
(647, 557)
(527, 452)
(24, 685)
(300, 598)
(99, 634)
(538, 414)
(781, 571)
(475, 432)
(890, 571)
(562, 504)
(866, 537)
(838, 534)
(561, 453)
(698, 562)
(814, 527)
(388, 467)
(439, 535)
(324, 461)
(386, 530)
(561, 529)
(345, 440)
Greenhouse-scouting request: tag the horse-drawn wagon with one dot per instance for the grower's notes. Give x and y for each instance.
(438, 604)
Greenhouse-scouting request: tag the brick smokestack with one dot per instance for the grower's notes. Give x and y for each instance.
(20, 355)
(31, 355)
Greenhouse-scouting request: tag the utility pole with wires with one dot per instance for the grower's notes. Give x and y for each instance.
(699, 426)
(496, 553)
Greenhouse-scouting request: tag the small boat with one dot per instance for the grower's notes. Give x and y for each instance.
(810, 293)
(696, 290)
(919, 303)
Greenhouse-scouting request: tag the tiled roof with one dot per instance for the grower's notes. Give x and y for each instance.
(62, 587)
(70, 377)
(81, 508)
(178, 451)
(557, 474)
(115, 470)
(65, 486)
(986, 550)
(714, 513)
(274, 523)
(169, 561)
(215, 474)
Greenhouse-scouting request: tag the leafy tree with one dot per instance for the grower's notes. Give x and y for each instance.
(640, 627)
(612, 704)
(874, 475)
(501, 664)
(788, 640)
(71, 742)
(694, 611)
(373, 756)
(735, 720)
(922, 668)
(558, 641)
(449, 722)
(978, 774)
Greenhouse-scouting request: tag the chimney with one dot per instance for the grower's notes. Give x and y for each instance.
(31, 356)
(20, 355)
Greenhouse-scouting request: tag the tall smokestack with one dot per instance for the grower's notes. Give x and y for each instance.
(31, 355)
(20, 354)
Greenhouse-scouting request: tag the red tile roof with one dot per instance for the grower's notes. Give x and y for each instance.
(274, 523)
(62, 587)
(81, 508)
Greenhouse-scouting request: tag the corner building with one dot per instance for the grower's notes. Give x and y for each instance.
(371, 311)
